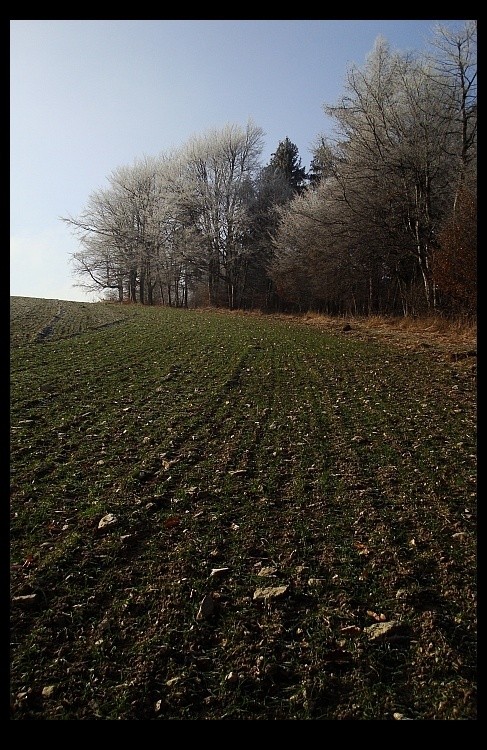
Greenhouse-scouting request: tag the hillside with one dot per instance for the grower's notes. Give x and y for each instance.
(236, 516)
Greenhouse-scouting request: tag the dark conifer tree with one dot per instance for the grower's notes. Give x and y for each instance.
(278, 183)
(286, 163)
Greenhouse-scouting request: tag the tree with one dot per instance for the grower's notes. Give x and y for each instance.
(165, 224)
(129, 233)
(320, 262)
(391, 178)
(454, 66)
(219, 169)
(322, 162)
(398, 172)
(455, 260)
(104, 230)
(276, 185)
(285, 164)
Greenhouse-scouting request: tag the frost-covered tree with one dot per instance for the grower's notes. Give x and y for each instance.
(391, 179)
(217, 182)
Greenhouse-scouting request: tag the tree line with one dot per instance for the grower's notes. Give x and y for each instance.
(384, 222)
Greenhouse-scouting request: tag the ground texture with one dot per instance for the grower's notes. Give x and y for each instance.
(236, 516)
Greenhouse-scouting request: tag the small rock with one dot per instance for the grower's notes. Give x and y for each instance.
(398, 716)
(107, 520)
(271, 592)
(384, 630)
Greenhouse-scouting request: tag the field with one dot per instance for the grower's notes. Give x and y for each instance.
(237, 516)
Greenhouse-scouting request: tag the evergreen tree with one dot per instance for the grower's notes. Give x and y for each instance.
(278, 183)
(286, 163)
(322, 163)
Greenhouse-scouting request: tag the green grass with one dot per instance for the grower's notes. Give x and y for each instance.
(339, 467)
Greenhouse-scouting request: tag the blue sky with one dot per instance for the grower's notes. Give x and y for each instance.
(88, 96)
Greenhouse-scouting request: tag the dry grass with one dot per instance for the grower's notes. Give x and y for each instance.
(446, 336)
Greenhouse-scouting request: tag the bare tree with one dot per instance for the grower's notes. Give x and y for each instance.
(398, 169)
(163, 223)
(219, 171)
(130, 234)
(383, 190)
(104, 229)
(454, 67)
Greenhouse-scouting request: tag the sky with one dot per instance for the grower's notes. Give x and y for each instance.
(89, 96)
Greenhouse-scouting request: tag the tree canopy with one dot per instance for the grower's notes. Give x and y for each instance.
(384, 222)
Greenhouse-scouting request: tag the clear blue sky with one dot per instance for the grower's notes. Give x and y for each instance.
(88, 96)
